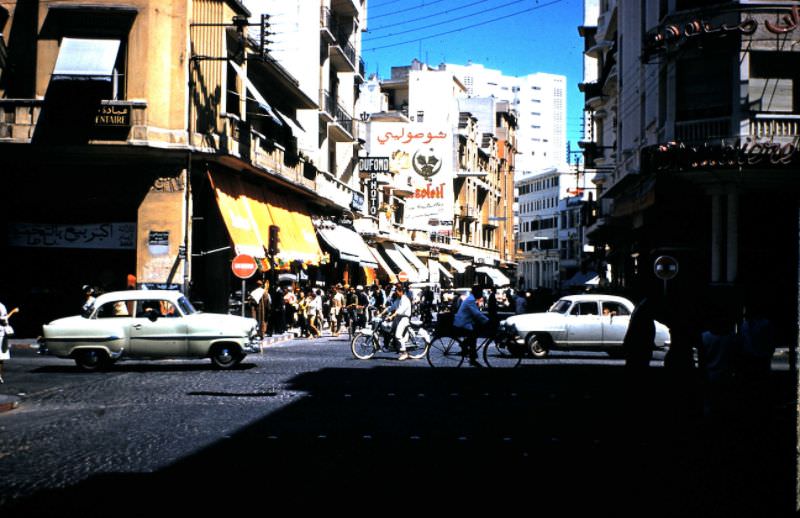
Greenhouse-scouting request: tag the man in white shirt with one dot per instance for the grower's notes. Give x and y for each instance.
(400, 314)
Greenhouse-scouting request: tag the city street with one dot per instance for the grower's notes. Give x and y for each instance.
(305, 423)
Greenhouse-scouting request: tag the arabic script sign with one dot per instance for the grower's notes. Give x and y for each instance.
(113, 115)
(421, 160)
(675, 34)
(109, 236)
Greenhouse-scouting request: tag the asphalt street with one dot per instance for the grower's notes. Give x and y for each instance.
(306, 425)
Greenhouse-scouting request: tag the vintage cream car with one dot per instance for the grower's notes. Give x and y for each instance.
(149, 324)
(588, 322)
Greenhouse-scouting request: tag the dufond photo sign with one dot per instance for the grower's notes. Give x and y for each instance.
(421, 162)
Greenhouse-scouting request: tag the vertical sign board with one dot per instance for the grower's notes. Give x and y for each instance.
(372, 167)
(421, 160)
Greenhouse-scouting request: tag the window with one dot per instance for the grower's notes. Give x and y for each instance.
(614, 309)
(420, 116)
(584, 308)
(113, 310)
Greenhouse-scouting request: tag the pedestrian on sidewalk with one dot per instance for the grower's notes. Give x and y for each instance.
(5, 331)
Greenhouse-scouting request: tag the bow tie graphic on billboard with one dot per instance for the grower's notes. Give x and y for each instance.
(421, 164)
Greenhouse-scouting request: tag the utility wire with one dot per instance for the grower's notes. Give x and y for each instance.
(405, 22)
(440, 23)
(423, 4)
(464, 28)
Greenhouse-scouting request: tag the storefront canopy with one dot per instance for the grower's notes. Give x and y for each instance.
(412, 258)
(255, 95)
(435, 265)
(384, 265)
(401, 262)
(457, 265)
(248, 211)
(86, 59)
(349, 245)
(497, 277)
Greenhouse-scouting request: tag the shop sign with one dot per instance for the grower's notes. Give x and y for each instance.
(357, 201)
(722, 154)
(678, 33)
(109, 236)
(114, 116)
(158, 242)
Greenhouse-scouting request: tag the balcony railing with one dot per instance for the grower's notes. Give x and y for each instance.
(703, 129)
(768, 125)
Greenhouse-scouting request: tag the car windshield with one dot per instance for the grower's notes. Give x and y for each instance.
(186, 306)
(561, 306)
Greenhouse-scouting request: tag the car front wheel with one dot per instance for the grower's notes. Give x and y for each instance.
(537, 345)
(225, 356)
(91, 360)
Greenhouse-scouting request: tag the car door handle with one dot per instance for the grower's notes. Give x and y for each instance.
(137, 326)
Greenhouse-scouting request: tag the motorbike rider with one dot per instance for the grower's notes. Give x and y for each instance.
(400, 316)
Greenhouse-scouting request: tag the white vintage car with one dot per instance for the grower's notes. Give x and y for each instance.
(591, 322)
(149, 324)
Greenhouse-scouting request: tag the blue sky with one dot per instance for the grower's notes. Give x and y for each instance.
(526, 36)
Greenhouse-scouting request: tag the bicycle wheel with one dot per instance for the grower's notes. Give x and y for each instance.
(363, 346)
(502, 354)
(445, 351)
(417, 346)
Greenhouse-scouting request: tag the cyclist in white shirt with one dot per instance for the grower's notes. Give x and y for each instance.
(400, 315)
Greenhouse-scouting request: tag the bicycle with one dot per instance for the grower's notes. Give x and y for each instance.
(367, 341)
(499, 351)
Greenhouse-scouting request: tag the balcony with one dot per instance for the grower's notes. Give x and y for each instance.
(351, 8)
(327, 26)
(700, 130)
(264, 153)
(466, 212)
(343, 55)
(774, 125)
(121, 122)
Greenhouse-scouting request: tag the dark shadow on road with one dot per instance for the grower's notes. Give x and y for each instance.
(143, 367)
(388, 439)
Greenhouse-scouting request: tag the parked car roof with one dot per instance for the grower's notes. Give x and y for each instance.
(137, 295)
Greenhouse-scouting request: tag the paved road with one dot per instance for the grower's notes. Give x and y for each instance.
(306, 424)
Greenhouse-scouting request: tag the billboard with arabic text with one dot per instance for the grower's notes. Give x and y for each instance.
(421, 162)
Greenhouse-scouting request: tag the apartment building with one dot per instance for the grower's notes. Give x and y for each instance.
(147, 138)
(694, 140)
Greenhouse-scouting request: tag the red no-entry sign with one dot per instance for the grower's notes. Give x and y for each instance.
(244, 266)
(402, 277)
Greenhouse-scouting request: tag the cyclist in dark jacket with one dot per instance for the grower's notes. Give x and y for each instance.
(468, 321)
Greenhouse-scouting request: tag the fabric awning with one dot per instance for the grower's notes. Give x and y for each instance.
(401, 262)
(497, 277)
(457, 265)
(248, 211)
(255, 94)
(435, 265)
(349, 245)
(412, 258)
(86, 59)
(383, 264)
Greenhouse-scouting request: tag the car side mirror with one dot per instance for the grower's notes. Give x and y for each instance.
(152, 315)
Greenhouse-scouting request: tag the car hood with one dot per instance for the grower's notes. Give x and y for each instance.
(67, 321)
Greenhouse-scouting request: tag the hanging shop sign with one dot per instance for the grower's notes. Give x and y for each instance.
(369, 167)
(114, 116)
(738, 153)
(675, 34)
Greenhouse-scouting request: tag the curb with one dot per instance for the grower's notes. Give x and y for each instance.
(8, 403)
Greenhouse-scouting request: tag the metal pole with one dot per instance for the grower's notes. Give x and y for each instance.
(244, 295)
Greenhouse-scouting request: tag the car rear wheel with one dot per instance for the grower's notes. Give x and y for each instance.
(538, 346)
(91, 360)
(225, 356)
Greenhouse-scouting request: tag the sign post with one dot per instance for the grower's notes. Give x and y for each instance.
(666, 268)
(244, 266)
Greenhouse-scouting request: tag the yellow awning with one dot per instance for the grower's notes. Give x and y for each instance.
(297, 239)
(248, 212)
(235, 208)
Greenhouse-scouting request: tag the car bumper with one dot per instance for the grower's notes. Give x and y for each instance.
(253, 346)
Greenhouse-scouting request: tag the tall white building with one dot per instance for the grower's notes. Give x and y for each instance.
(541, 102)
